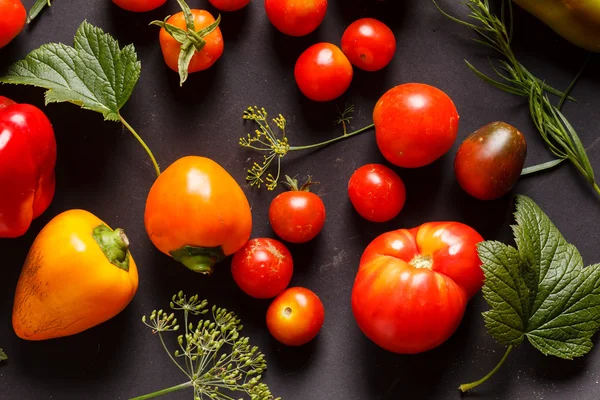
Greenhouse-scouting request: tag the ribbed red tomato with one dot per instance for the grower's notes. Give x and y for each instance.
(415, 124)
(413, 285)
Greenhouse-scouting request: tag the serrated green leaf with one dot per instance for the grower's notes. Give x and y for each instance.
(540, 291)
(95, 73)
(3, 356)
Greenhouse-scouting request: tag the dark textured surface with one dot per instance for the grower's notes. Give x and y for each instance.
(102, 169)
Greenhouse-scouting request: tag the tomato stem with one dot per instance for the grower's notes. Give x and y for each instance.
(139, 139)
(344, 136)
(468, 386)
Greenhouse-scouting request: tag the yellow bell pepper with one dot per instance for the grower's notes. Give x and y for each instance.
(578, 21)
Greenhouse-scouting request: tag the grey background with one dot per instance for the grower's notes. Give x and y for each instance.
(101, 168)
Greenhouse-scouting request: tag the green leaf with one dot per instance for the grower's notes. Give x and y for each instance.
(95, 73)
(185, 56)
(36, 9)
(3, 356)
(540, 291)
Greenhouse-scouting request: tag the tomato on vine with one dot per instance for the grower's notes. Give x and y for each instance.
(298, 215)
(12, 20)
(369, 44)
(263, 268)
(296, 316)
(139, 5)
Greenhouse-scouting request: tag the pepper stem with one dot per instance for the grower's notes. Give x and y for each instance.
(199, 259)
(114, 245)
(468, 386)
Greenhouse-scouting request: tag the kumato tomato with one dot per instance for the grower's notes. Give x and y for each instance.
(369, 44)
(139, 5)
(413, 285)
(295, 317)
(323, 72)
(262, 268)
(229, 5)
(12, 20)
(376, 192)
(296, 17)
(489, 161)
(415, 124)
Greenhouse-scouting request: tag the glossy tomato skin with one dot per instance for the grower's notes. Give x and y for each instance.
(489, 161)
(376, 192)
(229, 5)
(202, 60)
(263, 268)
(415, 124)
(413, 285)
(296, 17)
(323, 72)
(369, 44)
(297, 216)
(296, 316)
(139, 5)
(12, 20)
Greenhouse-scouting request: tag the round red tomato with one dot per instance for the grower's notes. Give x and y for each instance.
(415, 124)
(413, 285)
(298, 215)
(376, 192)
(229, 5)
(369, 44)
(262, 268)
(296, 17)
(202, 60)
(139, 5)
(295, 317)
(12, 20)
(323, 72)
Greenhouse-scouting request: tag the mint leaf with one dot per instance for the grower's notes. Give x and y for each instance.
(95, 73)
(3, 356)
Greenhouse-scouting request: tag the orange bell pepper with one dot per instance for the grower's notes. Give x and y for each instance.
(78, 274)
(197, 213)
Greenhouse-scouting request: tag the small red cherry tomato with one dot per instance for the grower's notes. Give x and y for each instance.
(295, 317)
(415, 124)
(139, 5)
(369, 44)
(323, 72)
(229, 5)
(298, 215)
(262, 268)
(376, 192)
(296, 17)
(12, 20)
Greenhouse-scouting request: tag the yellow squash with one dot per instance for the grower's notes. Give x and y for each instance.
(578, 21)
(78, 274)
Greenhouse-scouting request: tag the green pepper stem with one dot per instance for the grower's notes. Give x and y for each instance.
(114, 245)
(199, 259)
(162, 392)
(144, 145)
(468, 386)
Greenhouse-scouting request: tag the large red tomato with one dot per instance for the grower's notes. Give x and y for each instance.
(412, 285)
(415, 124)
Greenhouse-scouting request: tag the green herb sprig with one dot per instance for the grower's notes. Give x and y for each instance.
(3, 356)
(559, 135)
(37, 7)
(275, 147)
(539, 291)
(215, 359)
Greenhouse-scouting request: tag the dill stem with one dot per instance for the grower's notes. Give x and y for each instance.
(325, 143)
(162, 392)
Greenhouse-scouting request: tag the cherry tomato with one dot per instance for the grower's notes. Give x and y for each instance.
(200, 60)
(139, 5)
(369, 44)
(12, 20)
(323, 72)
(229, 5)
(415, 124)
(295, 317)
(298, 215)
(262, 268)
(489, 162)
(296, 17)
(413, 285)
(376, 192)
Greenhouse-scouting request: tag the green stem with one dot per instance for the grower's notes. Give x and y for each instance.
(139, 139)
(114, 245)
(468, 386)
(171, 357)
(542, 166)
(158, 393)
(312, 146)
(596, 188)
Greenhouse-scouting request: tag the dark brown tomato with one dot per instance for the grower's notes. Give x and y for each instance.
(490, 160)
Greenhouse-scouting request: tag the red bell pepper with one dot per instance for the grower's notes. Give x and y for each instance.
(27, 160)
